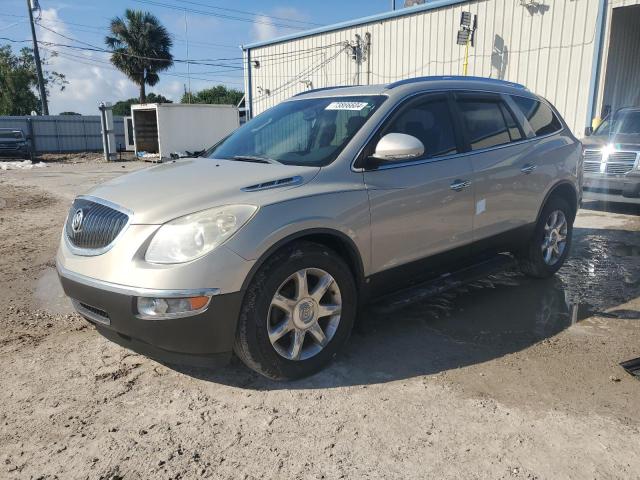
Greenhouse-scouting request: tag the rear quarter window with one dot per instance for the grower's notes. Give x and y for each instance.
(541, 118)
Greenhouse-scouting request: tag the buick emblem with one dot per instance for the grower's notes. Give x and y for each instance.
(76, 221)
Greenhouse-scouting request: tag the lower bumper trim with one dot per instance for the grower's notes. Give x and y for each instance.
(165, 356)
(210, 332)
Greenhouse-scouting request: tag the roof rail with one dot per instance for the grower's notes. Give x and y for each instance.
(454, 77)
(313, 90)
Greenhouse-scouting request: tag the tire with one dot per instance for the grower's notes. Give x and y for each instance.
(534, 260)
(261, 321)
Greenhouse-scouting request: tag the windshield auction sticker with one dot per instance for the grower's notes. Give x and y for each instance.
(356, 106)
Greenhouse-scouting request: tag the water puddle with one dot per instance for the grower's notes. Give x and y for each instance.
(509, 310)
(622, 250)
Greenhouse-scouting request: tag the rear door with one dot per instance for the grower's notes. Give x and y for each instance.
(504, 173)
(421, 207)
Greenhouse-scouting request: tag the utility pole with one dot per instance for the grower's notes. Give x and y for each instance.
(36, 55)
(393, 4)
(186, 36)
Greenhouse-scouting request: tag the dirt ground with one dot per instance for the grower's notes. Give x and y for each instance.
(506, 378)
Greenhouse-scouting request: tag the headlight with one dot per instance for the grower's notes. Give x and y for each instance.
(189, 237)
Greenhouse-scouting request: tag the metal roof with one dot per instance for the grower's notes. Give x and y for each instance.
(358, 21)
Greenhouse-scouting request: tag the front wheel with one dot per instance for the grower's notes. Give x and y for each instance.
(551, 241)
(297, 313)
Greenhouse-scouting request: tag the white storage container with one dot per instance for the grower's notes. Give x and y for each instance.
(160, 129)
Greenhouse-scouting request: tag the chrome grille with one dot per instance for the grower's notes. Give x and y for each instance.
(592, 156)
(616, 163)
(592, 167)
(619, 168)
(98, 228)
(624, 157)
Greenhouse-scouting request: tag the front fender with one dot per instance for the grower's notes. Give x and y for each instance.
(346, 213)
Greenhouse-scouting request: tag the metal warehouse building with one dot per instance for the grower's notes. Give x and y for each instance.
(582, 55)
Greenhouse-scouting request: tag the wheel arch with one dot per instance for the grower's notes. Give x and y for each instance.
(565, 190)
(334, 239)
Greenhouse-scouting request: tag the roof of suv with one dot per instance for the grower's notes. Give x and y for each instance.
(421, 83)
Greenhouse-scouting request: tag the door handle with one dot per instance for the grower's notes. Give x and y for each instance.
(528, 168)
(458, 185)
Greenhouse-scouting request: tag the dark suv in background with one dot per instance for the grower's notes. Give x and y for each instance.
(14, 143)
(611, 159)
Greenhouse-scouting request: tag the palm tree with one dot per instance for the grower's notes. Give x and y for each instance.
(140, 48)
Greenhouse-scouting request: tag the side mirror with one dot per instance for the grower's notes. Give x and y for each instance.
(396, 147)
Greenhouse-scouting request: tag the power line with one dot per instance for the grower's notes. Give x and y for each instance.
(107, 65)
(218, 15)
(249, 13)
(142, 57)
(95, 29)
(65, 36)
(305, 73)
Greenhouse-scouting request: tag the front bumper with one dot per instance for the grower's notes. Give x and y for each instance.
(608, 188)
(13, 151)
(205, 338)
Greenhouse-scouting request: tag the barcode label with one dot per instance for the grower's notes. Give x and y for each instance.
(356, 106)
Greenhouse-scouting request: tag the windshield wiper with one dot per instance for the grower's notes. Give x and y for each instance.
(252, 158)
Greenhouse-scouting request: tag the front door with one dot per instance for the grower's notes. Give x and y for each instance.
(422, 207)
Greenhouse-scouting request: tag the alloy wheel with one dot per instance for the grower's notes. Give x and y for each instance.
(304, 314)
(555, 237)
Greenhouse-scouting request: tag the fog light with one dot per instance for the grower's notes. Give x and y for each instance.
(163, 308)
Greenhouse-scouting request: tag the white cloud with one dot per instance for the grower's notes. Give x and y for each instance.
(264, 28)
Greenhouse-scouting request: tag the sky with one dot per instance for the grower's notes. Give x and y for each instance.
(215, 30)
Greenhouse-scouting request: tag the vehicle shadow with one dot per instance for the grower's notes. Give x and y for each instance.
(481, 321)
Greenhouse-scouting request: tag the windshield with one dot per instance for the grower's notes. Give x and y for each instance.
(11, 134)
(301, 132)
(624, 122)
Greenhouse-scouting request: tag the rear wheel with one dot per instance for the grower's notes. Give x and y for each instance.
(551, 241)
(297, 313)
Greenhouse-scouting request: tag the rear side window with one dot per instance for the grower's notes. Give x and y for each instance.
(541, 118)
(430, 122)
(488, 123)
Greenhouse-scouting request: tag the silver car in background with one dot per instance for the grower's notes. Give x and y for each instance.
(270, 244)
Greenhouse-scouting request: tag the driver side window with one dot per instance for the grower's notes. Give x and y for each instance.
(430, 122)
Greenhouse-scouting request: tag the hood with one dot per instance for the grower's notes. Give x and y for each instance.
(622, 142)
(158, 194)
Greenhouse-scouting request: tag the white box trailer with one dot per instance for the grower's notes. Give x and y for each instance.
(160, 129)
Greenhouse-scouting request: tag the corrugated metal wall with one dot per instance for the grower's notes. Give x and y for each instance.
(547, 46)
(64, 133)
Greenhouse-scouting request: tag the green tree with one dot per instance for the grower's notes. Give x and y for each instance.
(123, 107)
(70, 113)
(141, 47)
(18, 82)
(219, 95)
